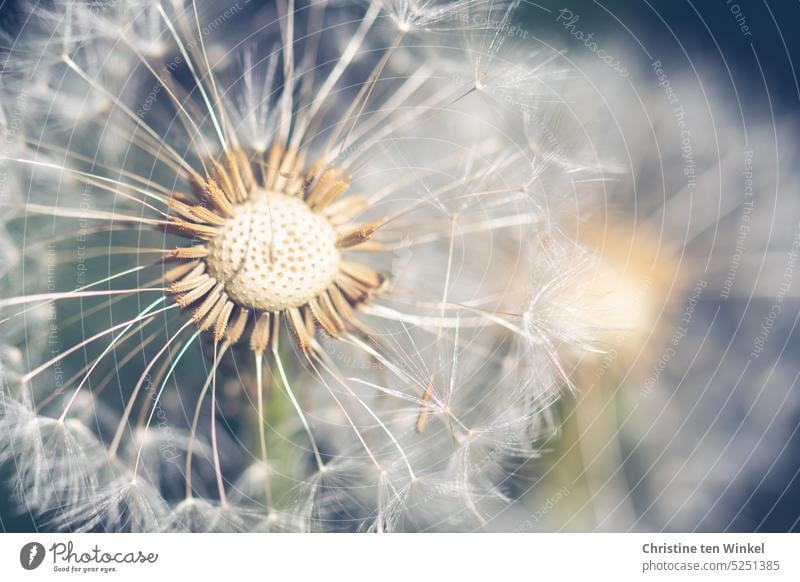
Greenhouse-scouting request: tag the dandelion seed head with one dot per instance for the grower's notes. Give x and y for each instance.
(195, 515)
(274, 253)
(328, 186)
(121, 503)
(55, 460)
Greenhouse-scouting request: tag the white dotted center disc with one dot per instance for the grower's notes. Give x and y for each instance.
(274, 253)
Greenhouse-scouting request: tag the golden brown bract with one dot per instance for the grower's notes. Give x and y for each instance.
(271, 237)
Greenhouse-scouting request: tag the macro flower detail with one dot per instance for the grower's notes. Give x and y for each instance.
(283, 266)
(271, 247)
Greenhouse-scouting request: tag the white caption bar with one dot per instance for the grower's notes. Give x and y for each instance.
(323, 557)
